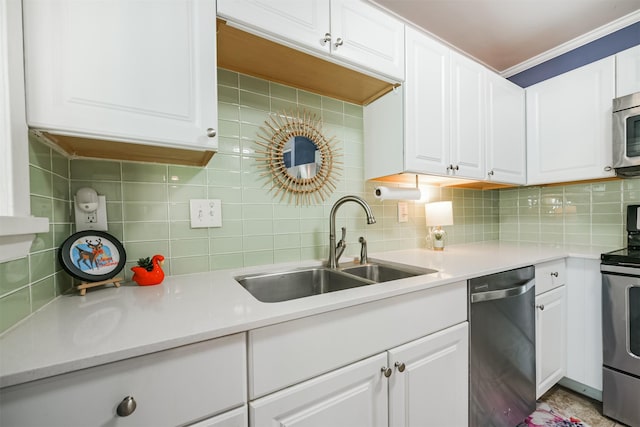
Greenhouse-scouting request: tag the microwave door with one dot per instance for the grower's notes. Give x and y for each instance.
(626, 138)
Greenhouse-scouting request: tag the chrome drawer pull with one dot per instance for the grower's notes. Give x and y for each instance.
(126, 407)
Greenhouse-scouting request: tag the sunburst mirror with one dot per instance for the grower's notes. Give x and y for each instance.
(300, 163)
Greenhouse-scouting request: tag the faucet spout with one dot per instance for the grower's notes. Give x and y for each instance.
(333, 262)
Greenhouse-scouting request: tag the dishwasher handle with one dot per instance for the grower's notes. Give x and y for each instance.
(502, 293)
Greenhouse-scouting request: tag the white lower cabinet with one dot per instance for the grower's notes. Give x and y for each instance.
(550, 338)
(234, 418)
(422, 383)
(355, 395)
(172, 387)
(584, 322)
(432, 389)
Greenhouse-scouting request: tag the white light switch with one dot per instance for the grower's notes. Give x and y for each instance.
(206, 213)
(403, 212)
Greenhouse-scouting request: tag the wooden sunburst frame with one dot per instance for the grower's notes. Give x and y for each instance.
(278, 130)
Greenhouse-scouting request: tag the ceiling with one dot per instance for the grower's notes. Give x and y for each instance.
(505, 33)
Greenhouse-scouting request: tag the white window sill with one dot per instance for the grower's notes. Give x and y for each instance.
(17, 234)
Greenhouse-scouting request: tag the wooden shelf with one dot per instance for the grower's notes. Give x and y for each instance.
(77, 147)
(249, 54)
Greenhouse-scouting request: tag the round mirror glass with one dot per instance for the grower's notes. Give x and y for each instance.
(301, 157)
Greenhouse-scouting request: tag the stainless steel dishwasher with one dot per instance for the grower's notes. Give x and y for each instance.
(502, 351)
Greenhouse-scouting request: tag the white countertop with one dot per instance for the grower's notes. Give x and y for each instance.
(110, 324)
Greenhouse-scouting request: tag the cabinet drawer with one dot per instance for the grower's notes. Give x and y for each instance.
(291, 352)
(550, 275)
(170, 387)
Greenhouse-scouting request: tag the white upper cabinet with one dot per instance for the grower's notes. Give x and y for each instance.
(505, 144)
(366, 36)
(443, 117)
(17, 227)
(301, 22)
(467, 117)
(569, 125)
(628, 71)
(124, 71)
(350, 31)
(427, 100)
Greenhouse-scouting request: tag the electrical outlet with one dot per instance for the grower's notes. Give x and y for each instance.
(206, 213)
(403, 212)
(94, 220)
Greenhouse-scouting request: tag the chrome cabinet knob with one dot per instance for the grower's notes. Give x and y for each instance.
(338, 42)
(490, 172)
(541, 307)
(457, 168)
(608, 168)
(211, 132)
(326, 39)
(126, 407)
(386, 371)
(554, 274)
(400, 366)
(450, 167)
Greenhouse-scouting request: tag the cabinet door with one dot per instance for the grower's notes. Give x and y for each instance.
(171, 387)
(550, 339)
(584, 322)
(234, 418)
(506, 147)
(569, 125)
(628, 72)
(433, 388)
(427, 104)
(364, 35)
(302, 22)
(120, 70)
(467, 118)
(355, 395)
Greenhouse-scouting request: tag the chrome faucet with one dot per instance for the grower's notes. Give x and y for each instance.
(333, 260)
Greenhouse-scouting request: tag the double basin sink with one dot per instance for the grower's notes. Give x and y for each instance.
(304, 282)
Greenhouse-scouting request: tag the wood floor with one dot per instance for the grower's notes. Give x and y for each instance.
(570, 403)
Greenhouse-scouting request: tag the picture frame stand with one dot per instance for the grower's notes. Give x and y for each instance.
(83, 286)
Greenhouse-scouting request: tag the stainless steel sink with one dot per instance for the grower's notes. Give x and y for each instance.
(385, 272)
(299, 283)
(288, 285)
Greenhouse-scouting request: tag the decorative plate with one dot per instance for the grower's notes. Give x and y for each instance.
(92, 256)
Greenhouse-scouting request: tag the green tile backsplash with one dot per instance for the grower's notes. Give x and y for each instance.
(583, 214)
(148, 204)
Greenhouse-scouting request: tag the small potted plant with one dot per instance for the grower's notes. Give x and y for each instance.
(148, 271)
(438, 239)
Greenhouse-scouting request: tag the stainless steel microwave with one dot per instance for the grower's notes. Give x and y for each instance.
(626, 135)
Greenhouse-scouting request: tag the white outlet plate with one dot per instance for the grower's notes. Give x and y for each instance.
(403, 212)
(206, 213)
(96, 220)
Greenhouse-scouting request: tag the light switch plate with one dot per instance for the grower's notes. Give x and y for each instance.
(403, 212)
(96, 220)
(206, 213)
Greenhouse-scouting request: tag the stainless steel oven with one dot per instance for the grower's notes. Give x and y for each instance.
(621, 327)
(626, 135)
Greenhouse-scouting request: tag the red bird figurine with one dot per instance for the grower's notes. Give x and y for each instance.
(145, 277)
